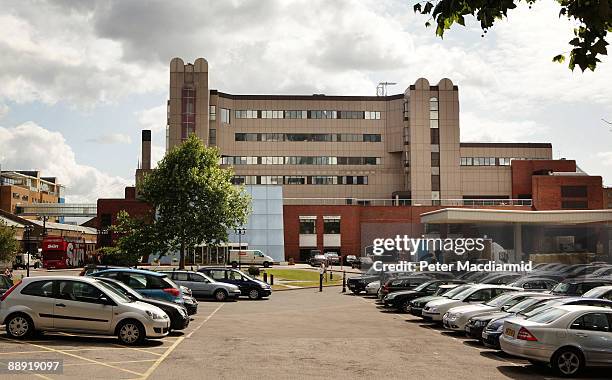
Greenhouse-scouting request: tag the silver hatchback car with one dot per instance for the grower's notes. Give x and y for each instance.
(81, 305)
(203, 286)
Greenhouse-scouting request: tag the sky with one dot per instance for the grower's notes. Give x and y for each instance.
(79, 80)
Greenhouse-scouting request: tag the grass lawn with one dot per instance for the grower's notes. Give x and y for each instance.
(299, 278)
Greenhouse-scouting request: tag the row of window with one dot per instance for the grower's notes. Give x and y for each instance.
(315, 137)
(305, 114)
(299, 160)
(491, 161)
(299, 180)
(309, 226)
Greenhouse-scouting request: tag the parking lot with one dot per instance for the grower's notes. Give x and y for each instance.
(297, 333)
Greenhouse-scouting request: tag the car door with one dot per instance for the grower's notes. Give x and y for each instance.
(593, 331)
(201, 283)
(79, 306)
(235, 278)
(38, 296)
(183, 278)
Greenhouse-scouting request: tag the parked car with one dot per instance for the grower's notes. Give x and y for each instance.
(403, 283)
(456, 318)
(577, 287)
(151, 284)
(494, 328)
(203, 286)
(250, 287)
(535, 283)
(444, 291)
(476, 325)
(317, 260)
(585, 270)
(602, 272)
(357, 284)
(249, 257)
(569, 338)
(400, 300)
(604, 292)
(81, 305)
(22, 260)
(434, 310)
(93, 268)
(372, 288)
(332, 258)
(350, 259)
(179, 319)
(500, 278)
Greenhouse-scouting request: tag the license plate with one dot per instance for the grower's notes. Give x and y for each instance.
(509, 332)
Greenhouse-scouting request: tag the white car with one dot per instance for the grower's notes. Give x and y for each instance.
(569, 338)
(457, 317)
(81, 305)
(479, 293)
(372, 288)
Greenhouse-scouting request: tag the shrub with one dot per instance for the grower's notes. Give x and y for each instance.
(253, 270)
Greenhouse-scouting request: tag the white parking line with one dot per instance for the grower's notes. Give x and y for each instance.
(176, 343)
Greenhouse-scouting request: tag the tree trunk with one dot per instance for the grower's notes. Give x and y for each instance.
(182, 256)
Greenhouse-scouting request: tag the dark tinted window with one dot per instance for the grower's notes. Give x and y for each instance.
(39, 289)
(481, 295)
(156, 282)
(585, 287)
(79, 291)
(592, 322)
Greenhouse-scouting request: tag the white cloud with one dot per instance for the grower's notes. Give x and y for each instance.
(112, 138)
(4, 110)
(605, 157)
(29, 146)
(478, 129)
(157, 153)
(153, 118)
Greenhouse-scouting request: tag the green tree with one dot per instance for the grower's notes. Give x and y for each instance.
(8, 244)
(593, 19)
(137, 239)
(194, 199)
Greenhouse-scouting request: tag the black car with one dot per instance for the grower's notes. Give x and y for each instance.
(577, 287)
(535, 283)
(500, 278)
(179, 318)
(476, 325)
(250, 287)
(417, 304)
(401, 300)
(403, 283)
(493, 330)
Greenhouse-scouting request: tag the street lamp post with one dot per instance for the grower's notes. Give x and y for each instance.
(240, 232)
(28, 232)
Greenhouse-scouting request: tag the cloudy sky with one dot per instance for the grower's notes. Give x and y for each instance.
(80, 79)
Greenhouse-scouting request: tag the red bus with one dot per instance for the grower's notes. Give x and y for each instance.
(61, 252)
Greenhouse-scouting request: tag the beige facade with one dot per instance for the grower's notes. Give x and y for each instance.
(364, 147)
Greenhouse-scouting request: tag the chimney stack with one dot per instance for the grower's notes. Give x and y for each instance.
(145, 162)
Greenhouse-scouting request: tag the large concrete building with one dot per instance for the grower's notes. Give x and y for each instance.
(356, 168)
(403, 146)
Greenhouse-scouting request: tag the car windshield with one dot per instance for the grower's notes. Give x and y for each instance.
(246, 277)
(523, 305)
(463, 294)
(120, 295)
(454, 291)
(548, 316)
(423, 286)
(499, 300)
(131, 293)
(561, 287)
(539, 307)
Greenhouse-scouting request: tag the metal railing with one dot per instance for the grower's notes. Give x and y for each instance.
(407, 202)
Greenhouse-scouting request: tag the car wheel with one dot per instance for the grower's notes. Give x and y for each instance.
(405, 307)
(220, 295)
(567, 362)
(253, 294)
(355, 291)
(266, 264)
(19, 326)
(131, 332)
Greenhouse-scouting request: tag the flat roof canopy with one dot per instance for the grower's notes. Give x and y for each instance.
(470, 215)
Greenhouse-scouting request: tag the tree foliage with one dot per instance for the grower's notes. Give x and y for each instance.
(194, 198)
(8, 244)
(137, 239)
(593, 18)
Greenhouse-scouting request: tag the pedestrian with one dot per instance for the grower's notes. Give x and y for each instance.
(10, 274)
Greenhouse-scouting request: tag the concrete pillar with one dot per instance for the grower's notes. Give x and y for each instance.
(518, 241)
